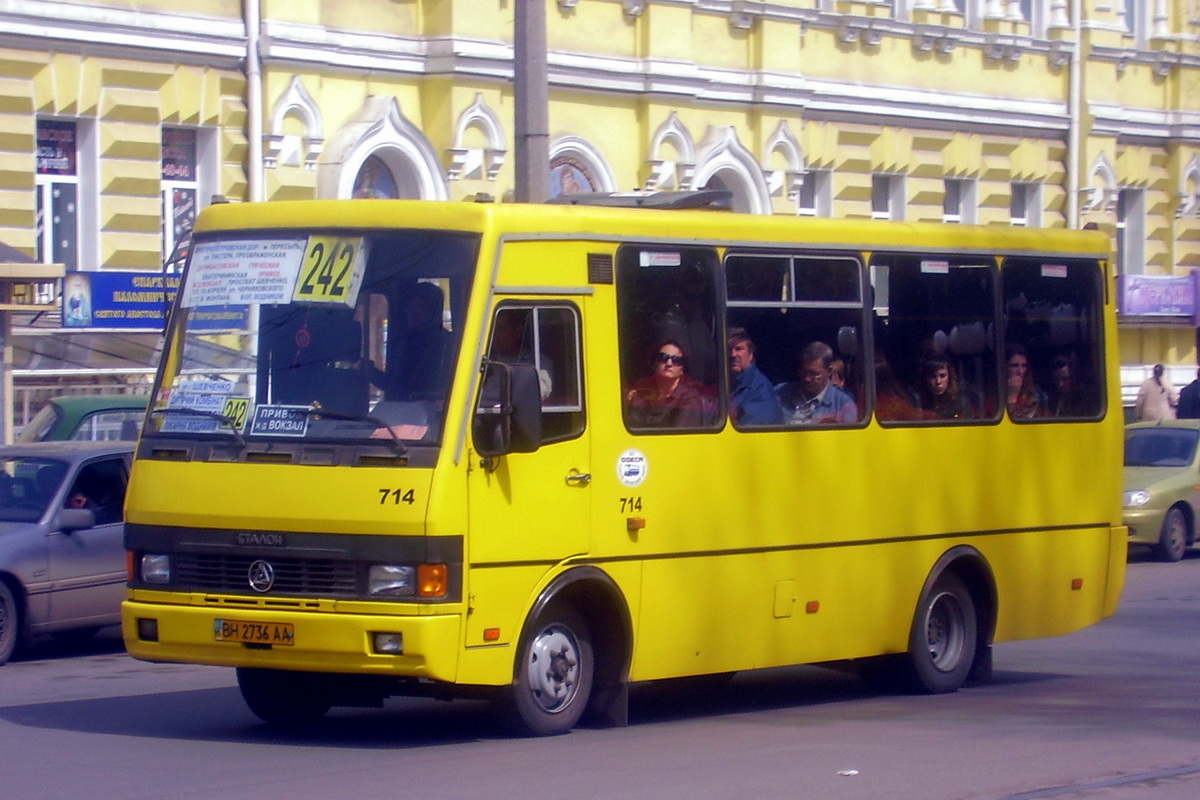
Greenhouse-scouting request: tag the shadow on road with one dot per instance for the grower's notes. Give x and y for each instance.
(220, 714)
(106, 641)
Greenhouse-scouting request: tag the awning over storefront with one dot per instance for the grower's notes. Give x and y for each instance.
(71, 352)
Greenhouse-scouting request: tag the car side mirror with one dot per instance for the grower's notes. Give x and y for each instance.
(508, 418)
(75, 519)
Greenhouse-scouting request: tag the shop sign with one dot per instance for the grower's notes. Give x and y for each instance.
(1159, 295)
(117, 299)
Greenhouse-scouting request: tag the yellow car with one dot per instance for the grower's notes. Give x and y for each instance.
(1162, 485)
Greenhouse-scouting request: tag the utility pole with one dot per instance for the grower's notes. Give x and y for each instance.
(531, 106)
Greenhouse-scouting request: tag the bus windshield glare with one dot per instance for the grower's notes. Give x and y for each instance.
(317, 336)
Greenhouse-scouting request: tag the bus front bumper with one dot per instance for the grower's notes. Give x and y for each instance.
(294, 640)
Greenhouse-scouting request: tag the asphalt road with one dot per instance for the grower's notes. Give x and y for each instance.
(1109, 712)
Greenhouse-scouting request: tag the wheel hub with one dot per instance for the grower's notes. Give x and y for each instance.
(553, 669)
(943, 632)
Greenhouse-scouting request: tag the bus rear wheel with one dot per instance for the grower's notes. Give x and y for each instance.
(554, 674)
(941, 646)
(278, 697)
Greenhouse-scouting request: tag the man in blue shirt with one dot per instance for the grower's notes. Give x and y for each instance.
(1189, 400)
(814, 400)
(752, 399)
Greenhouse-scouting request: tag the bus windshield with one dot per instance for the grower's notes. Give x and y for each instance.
(316, 336)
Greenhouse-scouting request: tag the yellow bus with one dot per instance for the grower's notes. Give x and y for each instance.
(539, 453)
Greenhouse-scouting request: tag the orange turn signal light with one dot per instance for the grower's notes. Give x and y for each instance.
(1076, 584)
(431, 580)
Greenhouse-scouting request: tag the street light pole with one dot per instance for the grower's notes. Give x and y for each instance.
(532, 123)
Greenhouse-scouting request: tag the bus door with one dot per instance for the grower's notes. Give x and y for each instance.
(529, 510)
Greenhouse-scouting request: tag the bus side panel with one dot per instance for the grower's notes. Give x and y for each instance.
(1053, 604)
(744, 530)
(503, 598)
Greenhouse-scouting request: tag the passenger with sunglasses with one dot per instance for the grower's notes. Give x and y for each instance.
(668, 397)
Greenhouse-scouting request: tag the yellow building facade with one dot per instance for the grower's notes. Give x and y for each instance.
(119, 120)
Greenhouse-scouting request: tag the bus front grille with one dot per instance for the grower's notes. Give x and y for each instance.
(292, 576)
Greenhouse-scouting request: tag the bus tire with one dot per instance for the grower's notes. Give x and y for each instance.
(553, 677)
(1173, 540)
(10, 623)
(941, 645)
(278, 697)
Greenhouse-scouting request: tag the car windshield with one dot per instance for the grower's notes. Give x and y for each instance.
(1160, 447)
(317, 336)
(27, 486)
(42, 423)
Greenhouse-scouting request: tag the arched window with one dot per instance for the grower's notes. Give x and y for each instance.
(577, 166)
(375, 181)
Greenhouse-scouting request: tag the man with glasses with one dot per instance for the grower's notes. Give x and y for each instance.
(813, 399)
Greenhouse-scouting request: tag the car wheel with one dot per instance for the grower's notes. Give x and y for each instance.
(1172, 541)
(941, 645)
(553, 677)
(10, 623)
(278, 697)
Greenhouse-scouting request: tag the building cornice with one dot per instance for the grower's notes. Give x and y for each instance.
(50, 24)
(121, 33)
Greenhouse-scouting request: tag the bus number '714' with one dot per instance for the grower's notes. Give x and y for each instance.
(397, 496)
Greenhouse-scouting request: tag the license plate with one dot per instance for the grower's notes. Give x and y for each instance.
(236, 630)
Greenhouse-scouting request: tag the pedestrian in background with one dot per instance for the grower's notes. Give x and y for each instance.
(1156, 398)
(1189, 400)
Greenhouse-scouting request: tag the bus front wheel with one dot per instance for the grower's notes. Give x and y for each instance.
(278, 697)
(553, 677)
(942, 643)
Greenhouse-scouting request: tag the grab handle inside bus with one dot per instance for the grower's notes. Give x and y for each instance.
(508, 418)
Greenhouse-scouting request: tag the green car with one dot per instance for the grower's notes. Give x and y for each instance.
(1162, 485)
(91, 417)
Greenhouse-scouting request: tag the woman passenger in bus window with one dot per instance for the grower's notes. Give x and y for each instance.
(668, 397)
(941, 393)
(1069, 396)
(837, 374)
(1025, 400)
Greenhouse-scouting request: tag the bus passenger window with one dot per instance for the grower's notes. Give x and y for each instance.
(933, 321)
(1052, 322)
(667, 327)
(804, 315)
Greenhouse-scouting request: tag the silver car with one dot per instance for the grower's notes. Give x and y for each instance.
(62, 550)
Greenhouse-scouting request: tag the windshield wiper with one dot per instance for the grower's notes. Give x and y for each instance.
(316, 410)
(225, 420)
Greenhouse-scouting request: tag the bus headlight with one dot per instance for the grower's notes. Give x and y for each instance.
(1138, 497)
(156, 568)
(390, 580)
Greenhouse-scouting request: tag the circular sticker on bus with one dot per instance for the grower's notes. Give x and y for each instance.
(632, 468)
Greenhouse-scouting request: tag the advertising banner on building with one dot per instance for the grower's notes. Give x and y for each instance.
(117, 299)
(1159, 295)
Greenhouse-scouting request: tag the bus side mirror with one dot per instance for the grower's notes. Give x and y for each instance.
(508, 418)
